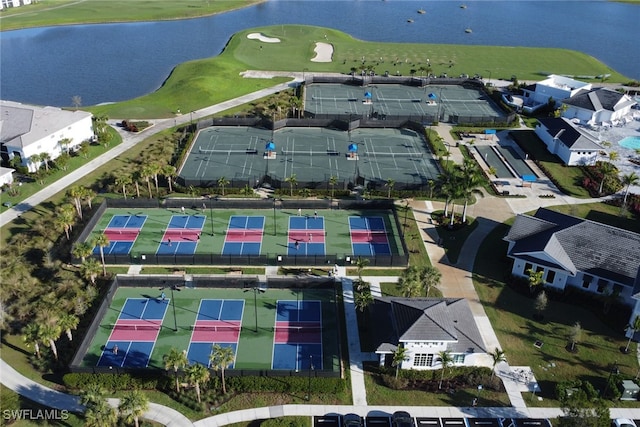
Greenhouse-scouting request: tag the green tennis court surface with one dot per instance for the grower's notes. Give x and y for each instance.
(164, 233)
(295, 328)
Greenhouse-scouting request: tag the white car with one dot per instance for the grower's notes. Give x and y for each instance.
(623, 422)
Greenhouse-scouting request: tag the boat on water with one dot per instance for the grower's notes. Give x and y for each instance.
(463, 6)
(410, 20)
(468, 30)
(422, 11)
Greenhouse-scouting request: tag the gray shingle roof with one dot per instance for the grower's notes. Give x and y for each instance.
(599, 99)
(579, 245)
(426, 319)
(571, 136)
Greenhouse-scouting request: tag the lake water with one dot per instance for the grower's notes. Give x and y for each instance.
(115, 62)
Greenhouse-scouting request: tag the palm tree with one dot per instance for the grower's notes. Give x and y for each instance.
(147, 173)
(155, 170)
(409, 282)
(293, 181)
(613, 156)
(67, 323)
(633, 327)
(169, 172)
(222, 183)
(46, 158)
(498, 356)
(76, 193)
(88, 197)
(65, 218)
(363, 299)
(35, 159)
(133, 404)
(31, 334)
(175, 360)
(82, 250)
(221, 358)
(399, 356)
(100, 414)
(50, 333)
(197, 374)
(92, 394)
(64, 144)
(628, 180)
(89, 269)
(389, 184)
(607, 170)
(102, 241)
(333, 181)
(361, 264)
(122, 181)
(446, 360)
(470, 185)
(429, 278)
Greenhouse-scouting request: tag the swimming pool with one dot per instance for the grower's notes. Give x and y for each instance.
(630, 142)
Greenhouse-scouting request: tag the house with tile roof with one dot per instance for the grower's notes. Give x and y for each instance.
(576, 252)
(598, 106)
(426, 327)
(27, 130)
(573, 145)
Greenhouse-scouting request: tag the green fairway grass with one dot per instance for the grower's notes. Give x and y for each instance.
(66, 12)
(255, 349)
(197, 84)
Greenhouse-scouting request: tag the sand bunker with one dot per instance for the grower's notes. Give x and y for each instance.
(263, 38)
(324, 52)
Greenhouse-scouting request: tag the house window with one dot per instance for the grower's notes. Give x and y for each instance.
(586, 281)
(551, 276)
(617, 288)
(422, 359)
(602, 285)
(458, 359)
(528, 266)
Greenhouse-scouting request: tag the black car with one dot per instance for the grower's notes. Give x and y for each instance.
(402, 419)
(352, 420)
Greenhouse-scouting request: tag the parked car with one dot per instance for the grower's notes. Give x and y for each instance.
(402, 419)
(623, 422)
(352, 420)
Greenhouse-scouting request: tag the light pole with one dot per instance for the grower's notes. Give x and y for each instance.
(310, 369)
(255, 290)
(173, 305)
(535, 386)
(448, 154)
(275, 229)
(211, 213)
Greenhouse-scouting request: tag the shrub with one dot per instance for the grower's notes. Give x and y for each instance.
(115, 382)
(394, 383)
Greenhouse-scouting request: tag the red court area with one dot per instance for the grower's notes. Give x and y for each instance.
(216, 331)
(181, 235)
(306, 236)
(136, 330)
(121, 234)
(298, 332)
(368, 237)
(244, 235)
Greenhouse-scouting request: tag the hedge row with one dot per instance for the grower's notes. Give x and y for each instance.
(286, 384)
(114, 382)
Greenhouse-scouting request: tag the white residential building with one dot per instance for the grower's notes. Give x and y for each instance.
(27, 130)
(556, 87)
(426, 327)
(6, 4)
(563, 138)
(598, 106)
(6, 176)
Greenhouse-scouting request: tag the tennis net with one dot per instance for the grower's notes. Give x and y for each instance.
(399, 100)
(216, 328)
(297, 329)
(129, 327)
(466, 101)
(242, 232)
(213, 151)
(181, 232)
(310, 153)
(392, 155)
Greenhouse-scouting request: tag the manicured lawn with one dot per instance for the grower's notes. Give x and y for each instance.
(568, 178)
(65, 12)
(511, 313)
(453, 240)
(601, 212)
(200, 83)
(391, 289)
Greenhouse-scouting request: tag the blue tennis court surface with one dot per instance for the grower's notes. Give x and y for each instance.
(118, 248)
(130, 354)
(144, 308)
(177, 248)
(187, 221)
(372, 223)
(298, 311)
(306, 223)
(127, 221)
(246, 222)
(217, 309)
(241, 248)
(299, 357)
(200, 352)
(305, 249)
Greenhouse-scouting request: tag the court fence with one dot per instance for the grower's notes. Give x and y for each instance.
(280, 259)
(158, 282)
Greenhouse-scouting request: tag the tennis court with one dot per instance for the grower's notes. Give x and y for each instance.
(306, 235)
(122, 232)
(182, 235)
(312, 154)
(276, 328)
(448, 102)
(369, 236)
(244, 235)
